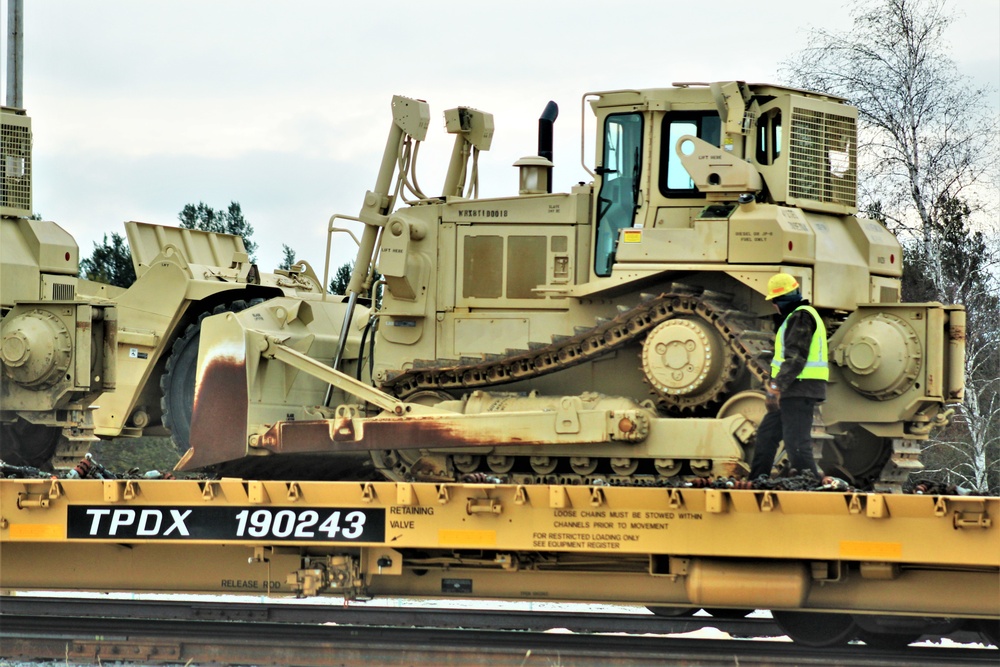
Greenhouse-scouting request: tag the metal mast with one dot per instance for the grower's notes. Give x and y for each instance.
(15, 53)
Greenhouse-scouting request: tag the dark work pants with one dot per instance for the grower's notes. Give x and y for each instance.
(792, 422)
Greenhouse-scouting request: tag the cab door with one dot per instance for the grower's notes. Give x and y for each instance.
(618, 197)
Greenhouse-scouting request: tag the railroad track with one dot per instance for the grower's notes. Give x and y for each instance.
(91, 631)
(363, 615)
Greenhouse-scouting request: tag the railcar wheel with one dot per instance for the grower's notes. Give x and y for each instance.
(672, 612)
(729, 613)
(817, 630)
(887, 640)
(25, 444)
(990, 630)
(178, 379)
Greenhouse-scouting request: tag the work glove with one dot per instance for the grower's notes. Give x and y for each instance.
(772, 397)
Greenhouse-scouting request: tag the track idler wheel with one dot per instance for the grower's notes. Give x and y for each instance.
(583, 465)
(405, 465)
(466, 463)
(751, 406)
(543, 465)
(500, 464)
(668, 467)
(625, 467)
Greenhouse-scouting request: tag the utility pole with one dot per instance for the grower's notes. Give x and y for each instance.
(15, 53)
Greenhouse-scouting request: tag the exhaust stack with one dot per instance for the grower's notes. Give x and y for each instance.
(545, 123)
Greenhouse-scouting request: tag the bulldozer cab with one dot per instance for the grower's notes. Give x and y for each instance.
(675, 162)
(631, 140)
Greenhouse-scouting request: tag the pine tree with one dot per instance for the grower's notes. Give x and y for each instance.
(340, 280)
(229, 221)
(287, 258)
(110, 262)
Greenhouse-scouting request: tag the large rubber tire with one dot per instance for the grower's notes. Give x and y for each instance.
(818, 630)
(178, 379)
(25, 444)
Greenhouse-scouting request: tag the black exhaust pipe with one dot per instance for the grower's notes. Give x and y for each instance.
(545, 122)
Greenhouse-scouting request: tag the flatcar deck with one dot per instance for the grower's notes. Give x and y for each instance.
(833, 551)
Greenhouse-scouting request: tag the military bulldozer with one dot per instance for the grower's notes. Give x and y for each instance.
(616, 333)
(81, 359)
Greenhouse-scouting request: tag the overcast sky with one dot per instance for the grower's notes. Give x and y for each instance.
(141, 107)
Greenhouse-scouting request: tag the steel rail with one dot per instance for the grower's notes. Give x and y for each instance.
(245, 640)
(637, 622)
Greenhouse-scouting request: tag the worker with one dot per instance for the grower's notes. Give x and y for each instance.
(799, 374)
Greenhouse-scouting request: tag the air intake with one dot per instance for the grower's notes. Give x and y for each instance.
(822, 160)
(15, 164)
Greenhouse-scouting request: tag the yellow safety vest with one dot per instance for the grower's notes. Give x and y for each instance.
(816, 367)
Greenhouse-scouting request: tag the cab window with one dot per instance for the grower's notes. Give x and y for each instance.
(769, 137)
(674, 178)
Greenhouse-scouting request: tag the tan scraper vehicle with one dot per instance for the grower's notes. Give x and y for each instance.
(82, 359)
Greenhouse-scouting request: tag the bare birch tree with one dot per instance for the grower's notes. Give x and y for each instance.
(926, 133)
(927, 156)
(968, 452)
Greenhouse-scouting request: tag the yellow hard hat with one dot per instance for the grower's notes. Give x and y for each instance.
(780, 283)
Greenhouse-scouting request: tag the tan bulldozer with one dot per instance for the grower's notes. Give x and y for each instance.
(613, 334)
